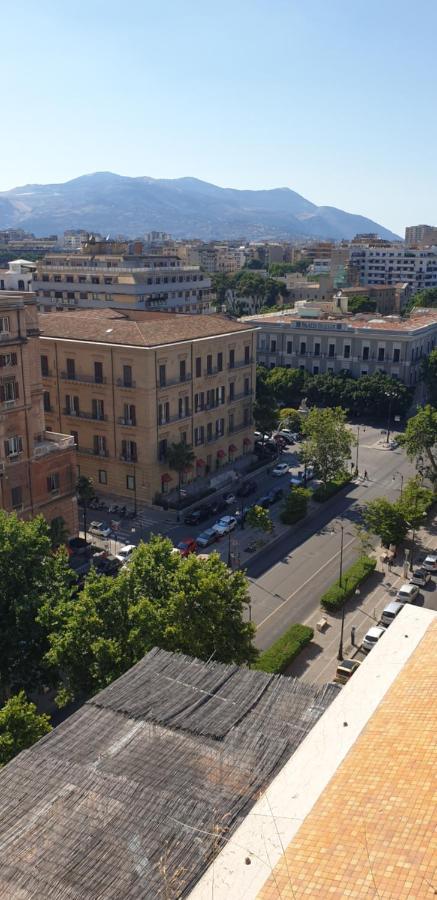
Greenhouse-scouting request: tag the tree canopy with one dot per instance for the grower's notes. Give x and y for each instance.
(420, 439)
(328, 442)
(391, 521)
(361, 304)
(20, 726)
(430, 375)
(258, 517)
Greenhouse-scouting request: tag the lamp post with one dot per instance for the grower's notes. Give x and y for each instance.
(391, 396)
(402, 481)
(358, 448)
(340, 648)
(229, 550)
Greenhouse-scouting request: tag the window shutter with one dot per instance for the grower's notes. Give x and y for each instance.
(6, 448)
(2, 393)
(96, 443)
(2, 361)
(49, 483)
(13, 359)
(94, 405)
(124, 448)
(17, 390)
(20, 444)
(67, 402)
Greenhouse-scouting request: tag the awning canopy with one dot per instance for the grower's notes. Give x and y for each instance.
(232, 448)
(220, 454)
(166, 478)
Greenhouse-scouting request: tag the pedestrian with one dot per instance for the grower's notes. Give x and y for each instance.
(353, 635)
(366, 477)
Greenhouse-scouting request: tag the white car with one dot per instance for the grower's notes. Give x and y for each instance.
(430, 562)
(125, 552)
(299, 479)
(224, 525)
(372, 637)
(100, 529)
(280, 469)
(259, 437)
(407, 593)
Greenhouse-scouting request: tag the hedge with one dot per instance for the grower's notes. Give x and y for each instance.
(295, 506)
(335, 596)
(323, 492)
(276, 659)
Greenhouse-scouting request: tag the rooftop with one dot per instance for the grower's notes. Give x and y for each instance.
(415, 322)
(136, 328)
(133, 795)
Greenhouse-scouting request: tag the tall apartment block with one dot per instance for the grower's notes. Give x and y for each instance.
(380, 263)
(126, 384)
(115, 275)
(421, 236)
(37, 466)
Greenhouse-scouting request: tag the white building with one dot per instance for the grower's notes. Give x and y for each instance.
(393, 263)
(18, 276)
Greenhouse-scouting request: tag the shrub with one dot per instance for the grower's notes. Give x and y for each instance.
(335, 596)
(276, 659)
(295, 506)
(325, 492)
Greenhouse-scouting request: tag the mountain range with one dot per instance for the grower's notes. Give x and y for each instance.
(184, 207)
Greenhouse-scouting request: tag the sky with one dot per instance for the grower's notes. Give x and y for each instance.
(335, 99)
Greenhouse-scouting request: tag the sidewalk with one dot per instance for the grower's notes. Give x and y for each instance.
(318, 661)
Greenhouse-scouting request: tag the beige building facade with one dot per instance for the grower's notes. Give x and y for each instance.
(37, 466)
(127, 384)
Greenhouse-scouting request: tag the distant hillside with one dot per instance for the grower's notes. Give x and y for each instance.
(185, 207)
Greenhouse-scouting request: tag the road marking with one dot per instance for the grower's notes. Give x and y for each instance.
(287, 599)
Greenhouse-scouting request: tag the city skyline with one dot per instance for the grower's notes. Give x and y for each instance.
(327, 105)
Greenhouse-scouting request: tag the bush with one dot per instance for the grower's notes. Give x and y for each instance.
(335, 596)
(295, 506)
(276, 659)
(323, 492)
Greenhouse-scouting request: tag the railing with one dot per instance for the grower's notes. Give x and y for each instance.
(85, 379)
(242, 427)
(240, 396)
(52, 442)
(128, 423)
(125, 384)
(90, 451)
(215, 437)
(214, 370)
(84, 415)
(177, 418)
(240, 364)
(130, 458)
(172, 381)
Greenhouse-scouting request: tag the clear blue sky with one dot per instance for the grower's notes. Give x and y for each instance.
(333, 98)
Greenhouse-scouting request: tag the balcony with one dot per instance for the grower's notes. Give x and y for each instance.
(125, 384)
(80, 378)
(240, 364)
(90, 451)
(129, 458)
(84, 415)
(214, 370)
(128, 423)
(242, 427)
(215, 437)
(52, 442)
(171, 419)
(242, 396)
(171, 382)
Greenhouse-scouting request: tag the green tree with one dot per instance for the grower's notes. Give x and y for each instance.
(420, 439)
(30, 576)
(190, 605)
(386, 520)
(221, 283)
(287, 385)
(180, 458)
(85, 493)
(258, 517)
(415, 501)
(295, 506)
(20, 727)
(254, 264)
(290, 418)
(265, 417)
(430, 375)
(426, 298)
(328, 442)
(58, 532)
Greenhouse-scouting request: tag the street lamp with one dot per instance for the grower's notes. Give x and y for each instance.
(229, 550)
(402, 481)
(391, 397)
(358, 446)
(340, 648)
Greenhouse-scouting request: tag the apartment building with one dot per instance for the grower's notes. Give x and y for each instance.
(37, 466)
(421, 235)
(18, 276)
(360, 345)
(383, 263)
(126, 384)
(116, 275)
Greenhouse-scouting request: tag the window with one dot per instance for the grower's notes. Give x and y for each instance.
(199, 435)
(100, 445)
(71, 369)
(9, 391)
(331, 350)
(246, 416)
(13, 446)
(46, 401)
(44, 366)
(209, 431)
(75, 435)
(396, 355)
(232, 359)
(127, 376)
(72, 405)
(231, 422)
(8, 359)
(209, 364)
(303, 347)
(98, 372)
(103, 476)
(289, 346)
(198, 366)
(16, 497)
(381, 354)
(98, 410)
(199, 401)
(130, 482)
(53, 482)
(247, 354)
(366, 352)
(246, 387)
(273, 346)
(129, 414)
(182, 370)
(219, 427)
(163, 413)
(231, 391)
(316, 349)
(347, 351)
(129, 451)
(219, 362)
(162, 376)
(315, 370)
(183, 437)
(162, 450)
(184, 407)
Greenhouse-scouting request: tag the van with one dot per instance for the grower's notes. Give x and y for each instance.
(390, 612)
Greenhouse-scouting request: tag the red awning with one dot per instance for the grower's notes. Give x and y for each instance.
(246, 441)
(166, 478)
(220, 454)
(200, 463)
(232, 448)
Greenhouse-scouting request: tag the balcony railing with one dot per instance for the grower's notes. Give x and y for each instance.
(240, 396)
(214, 370)
(242, 427)
(177, 418)
(52, 442)
(239, 364)
(129, 457)
(128, 423)
(91, 451)
(85, 379)
(171, 382)
(79, 414)
(125, 384)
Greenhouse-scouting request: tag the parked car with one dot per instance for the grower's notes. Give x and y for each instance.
(100, 529)
(280, 469)
(345, 670)
(78, 546)
(225, 525)
(259, 437)
(264, 501)
(209, 536)
(407, 593)
(420, 577)
(275, 494)
(125, 552)
(197, 515)
(105, 564)
(216, 505)
(285, 436)
(248, 487)
(186, 546)
(229, 498)
(299, 479)
(372, 637)
(430, 562)
(391, 611)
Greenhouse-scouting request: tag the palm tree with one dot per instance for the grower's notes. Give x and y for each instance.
(179, 458)
(85, 493)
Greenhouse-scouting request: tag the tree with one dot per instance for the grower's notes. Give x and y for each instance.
(265, 417)
(386, 520)
(430, 375)
(295, 506)
(58, 532)
(190, 605)
(258, 517)
(425, 298)
(290, 418)
(287, 385)
(180, 458)
(254, 264)
(328, 442)
(361, 304)
(30, 576)
(85, 493)
(420, 439)
(415, 501)
(20, 727)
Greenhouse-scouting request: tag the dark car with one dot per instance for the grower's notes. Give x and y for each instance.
(106, 564)
(217, 505)
(275, 494)
(197, 515)
(246, 488)
(265, 501)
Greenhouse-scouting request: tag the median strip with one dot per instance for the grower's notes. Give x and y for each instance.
(278, 657)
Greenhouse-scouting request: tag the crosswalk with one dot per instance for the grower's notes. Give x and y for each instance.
(129, 528)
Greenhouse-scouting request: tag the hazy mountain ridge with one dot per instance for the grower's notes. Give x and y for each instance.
(185, 207)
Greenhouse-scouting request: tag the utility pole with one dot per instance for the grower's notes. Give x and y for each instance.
(340, 648)
(358, 447)
(390, 396)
